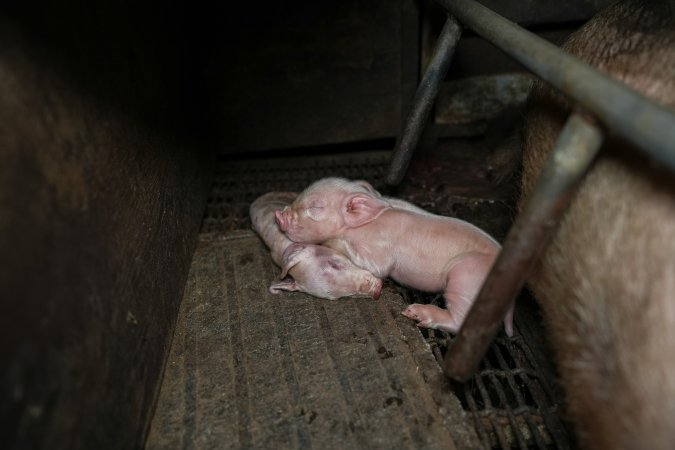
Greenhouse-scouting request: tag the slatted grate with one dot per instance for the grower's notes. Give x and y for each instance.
(513, 399)
(512, 404)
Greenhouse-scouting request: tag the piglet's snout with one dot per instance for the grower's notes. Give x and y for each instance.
(377, 289)
(371, 287)
(281, 221)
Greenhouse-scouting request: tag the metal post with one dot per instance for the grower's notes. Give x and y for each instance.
(626, 112)
(424, 100)
(571, 158)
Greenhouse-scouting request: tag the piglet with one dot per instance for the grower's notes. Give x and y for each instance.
(314, 269)
(390, 237)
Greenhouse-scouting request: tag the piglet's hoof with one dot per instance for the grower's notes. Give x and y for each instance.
(430, 316)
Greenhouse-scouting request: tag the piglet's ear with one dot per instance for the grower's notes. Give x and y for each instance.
(361, 208)
(292, 256)
(287, 284)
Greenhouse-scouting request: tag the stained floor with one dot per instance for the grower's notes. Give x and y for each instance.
(249, 369)
(252, 370)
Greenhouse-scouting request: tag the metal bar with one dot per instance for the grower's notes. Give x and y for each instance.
(424, 100)
(572, 155)
(629, 114)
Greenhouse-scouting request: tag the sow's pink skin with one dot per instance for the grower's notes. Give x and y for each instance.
(314, 269)
(390, 237)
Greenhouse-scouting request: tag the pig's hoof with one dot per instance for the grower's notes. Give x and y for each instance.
(420, 314)
(411, 312)
(430, 316)
(425, 323)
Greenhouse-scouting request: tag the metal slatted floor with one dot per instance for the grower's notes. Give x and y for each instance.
(512, 402)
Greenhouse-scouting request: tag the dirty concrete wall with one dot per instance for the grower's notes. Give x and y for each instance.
(103, 180)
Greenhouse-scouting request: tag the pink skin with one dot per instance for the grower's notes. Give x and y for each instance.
(390, 237)
(313, 269)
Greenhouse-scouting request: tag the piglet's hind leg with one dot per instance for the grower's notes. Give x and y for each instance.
(464, 283)
(431, 316)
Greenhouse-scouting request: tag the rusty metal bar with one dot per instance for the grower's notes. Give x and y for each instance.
(571, 158)
(627, 113)
(424, 100)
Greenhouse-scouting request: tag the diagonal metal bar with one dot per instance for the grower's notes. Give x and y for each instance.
(575, 150)
(424, 100)
(646, 124)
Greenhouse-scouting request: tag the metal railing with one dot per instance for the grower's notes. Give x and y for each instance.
(424, 99)
(649, 126)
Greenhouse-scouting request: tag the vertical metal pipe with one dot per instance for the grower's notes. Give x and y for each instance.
(571, 158)
(424, 100)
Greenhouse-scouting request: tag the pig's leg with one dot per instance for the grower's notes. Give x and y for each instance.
(431, 316)
(463, 284)
(508, 320)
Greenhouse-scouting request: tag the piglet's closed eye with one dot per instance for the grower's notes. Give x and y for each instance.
(361, 209)
(316, 212)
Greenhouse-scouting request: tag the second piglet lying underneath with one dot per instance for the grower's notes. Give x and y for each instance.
(392, 238)
(314, 269)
